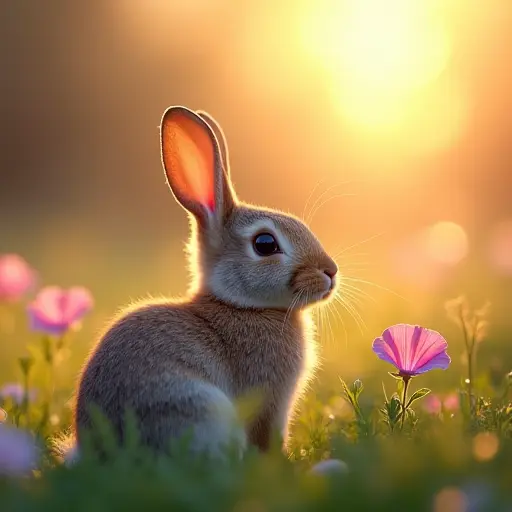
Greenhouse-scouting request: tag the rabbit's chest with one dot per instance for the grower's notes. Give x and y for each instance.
(272, 362)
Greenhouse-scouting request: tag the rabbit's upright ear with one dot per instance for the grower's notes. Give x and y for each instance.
(193, 166)
(221, 138)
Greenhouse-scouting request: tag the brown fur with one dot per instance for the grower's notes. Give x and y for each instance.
(245, 326)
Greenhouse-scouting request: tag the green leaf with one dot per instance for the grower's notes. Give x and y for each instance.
(420, 393)
(393, 408)
(348, 394)
(400, 387)
(26, 364)
(385, 394)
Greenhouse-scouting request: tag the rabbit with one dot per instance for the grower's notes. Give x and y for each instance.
(181, 364)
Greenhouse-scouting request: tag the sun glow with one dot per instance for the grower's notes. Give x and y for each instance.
(384, 59)
(389, 45)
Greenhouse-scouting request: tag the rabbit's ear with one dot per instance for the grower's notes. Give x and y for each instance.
(193, 166)
(221, 138)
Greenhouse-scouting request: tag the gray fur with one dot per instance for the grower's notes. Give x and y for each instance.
(182, 365)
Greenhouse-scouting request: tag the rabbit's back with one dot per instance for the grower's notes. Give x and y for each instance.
(132, 364)
(146, 355)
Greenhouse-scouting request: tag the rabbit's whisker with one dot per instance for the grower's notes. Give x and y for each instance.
(353, 246)
(326, 313)
(339, 316)
(323, 203)
(371, 283)
(348, 306)
(348, 288)
(308, 217)
(293, 303)
(354, 303)
(313, 190)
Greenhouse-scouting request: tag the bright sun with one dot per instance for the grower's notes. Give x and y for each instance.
(389, 45)
(382, 56)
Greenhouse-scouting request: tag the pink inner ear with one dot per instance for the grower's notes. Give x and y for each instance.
(190, 159)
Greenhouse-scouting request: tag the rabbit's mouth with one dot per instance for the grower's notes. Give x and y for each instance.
(329, 293)
(314, 286)
(326, 295)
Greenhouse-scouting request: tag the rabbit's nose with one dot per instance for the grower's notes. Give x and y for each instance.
(331, 269)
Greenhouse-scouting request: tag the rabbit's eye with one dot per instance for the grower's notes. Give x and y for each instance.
(265, 244)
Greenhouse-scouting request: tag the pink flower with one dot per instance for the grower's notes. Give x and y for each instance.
(16, 393)
(412, 349)
(55, 310)
(16, 277)
(451, 402)
(18, 452)
(432, 404)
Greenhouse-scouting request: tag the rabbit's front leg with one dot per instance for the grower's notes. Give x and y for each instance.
(268, 425)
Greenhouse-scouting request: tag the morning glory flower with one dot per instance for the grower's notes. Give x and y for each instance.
(18, 451)
(56, 310)
(412, 349)
(16, 277)
(16, 393)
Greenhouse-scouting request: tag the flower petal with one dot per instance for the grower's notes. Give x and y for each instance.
(427, 346)
(16, 392)
(16, 277)
(440, 361)
(40, 323)
(78, 301)
(47, 305)
(411, 348)
(395, 343)
(451, 402)
(18, 452)
(432, 404)
(386, 351)
(54, 310)
(13, 391)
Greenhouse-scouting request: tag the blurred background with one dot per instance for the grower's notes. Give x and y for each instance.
(389, 122)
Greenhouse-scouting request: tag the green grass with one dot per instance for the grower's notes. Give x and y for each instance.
(453, 461)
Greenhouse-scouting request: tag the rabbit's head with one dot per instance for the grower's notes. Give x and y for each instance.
(245, 255)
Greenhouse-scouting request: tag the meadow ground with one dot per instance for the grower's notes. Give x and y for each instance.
(448, 454)
(385, 125)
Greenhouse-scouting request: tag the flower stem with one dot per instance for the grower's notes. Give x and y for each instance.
(469, 353)
(406, 380)
(25, 403)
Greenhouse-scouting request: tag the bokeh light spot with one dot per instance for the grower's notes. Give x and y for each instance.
(500, 246)
(451, 499)
(485, 446)
(447, 243)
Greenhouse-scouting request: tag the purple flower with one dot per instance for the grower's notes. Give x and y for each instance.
(16, 393)
(16, 277)
(18, 452)
(55, 310)
(412, 349)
